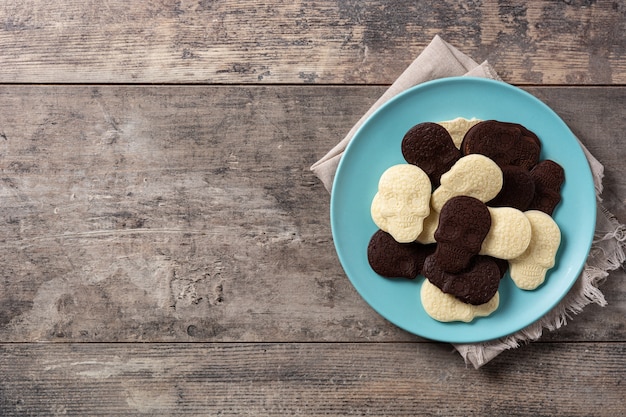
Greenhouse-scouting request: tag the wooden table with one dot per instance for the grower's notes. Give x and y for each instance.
(166, 250)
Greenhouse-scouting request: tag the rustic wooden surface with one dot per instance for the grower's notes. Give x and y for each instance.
(284, 41)
(166, 251)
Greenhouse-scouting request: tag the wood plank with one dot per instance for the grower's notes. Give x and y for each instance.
(308, 379)
(190, 41)
(595, 127)
(189, 214)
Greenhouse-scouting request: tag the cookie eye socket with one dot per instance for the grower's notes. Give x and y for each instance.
(543, 253)
(472, 238)
(393, 203)
(388, 197)
(390, 204)
(448, 231)
(419, 204)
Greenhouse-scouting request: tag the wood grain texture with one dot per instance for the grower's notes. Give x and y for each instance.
(354, 42)
(166, 251)
(172, 214)
(308, 379)
(189, 213)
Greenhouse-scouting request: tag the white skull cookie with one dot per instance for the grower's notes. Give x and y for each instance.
(528, 271)
(402, 202)
(446, 307)
(474, 176)
(509, 234)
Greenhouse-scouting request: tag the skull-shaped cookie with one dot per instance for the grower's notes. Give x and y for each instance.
(402, 202)
(476, 284)
(463, 225)
(430, 226)
(509, 235)
(473, 175)
(447, 308)
(518, 188)
(505, 143)
(528, 271)
(430, 147)
(548, 177)
(391, 259)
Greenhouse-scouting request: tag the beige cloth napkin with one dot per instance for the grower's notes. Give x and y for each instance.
(439, 60)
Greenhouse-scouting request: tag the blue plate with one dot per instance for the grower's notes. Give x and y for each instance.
(376, 147)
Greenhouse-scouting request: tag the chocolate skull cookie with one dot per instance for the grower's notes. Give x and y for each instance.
(548, 177)
(391, 259)
(506, 143)
(430, 147)
(476, 284)
(518, 189)
(464, 222)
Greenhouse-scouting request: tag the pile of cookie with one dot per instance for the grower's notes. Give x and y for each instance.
(473, 201)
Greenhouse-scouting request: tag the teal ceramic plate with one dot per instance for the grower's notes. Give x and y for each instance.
(376, 147)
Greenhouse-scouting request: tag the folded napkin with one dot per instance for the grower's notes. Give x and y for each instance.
(439, 60)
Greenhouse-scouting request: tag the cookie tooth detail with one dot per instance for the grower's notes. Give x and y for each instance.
(446, 308)
(402, 202)
(474, 176)
(528, 271)
(509, 235)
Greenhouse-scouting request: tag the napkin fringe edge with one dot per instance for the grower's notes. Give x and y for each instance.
(594, 273)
